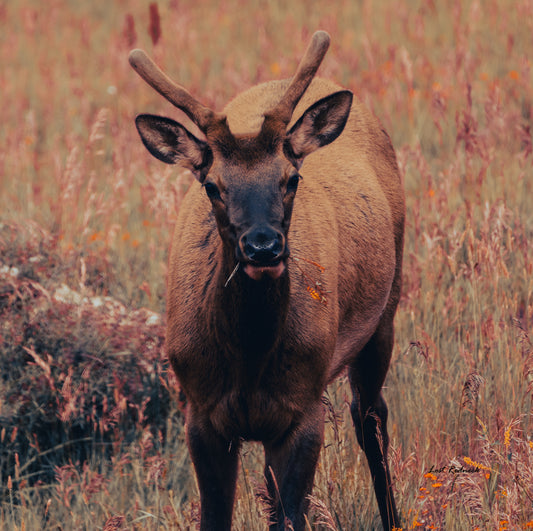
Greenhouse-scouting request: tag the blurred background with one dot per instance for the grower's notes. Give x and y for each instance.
(91, 431)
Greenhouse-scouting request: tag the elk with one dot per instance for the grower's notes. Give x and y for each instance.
(284, 271)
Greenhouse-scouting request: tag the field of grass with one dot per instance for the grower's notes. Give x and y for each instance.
(91, 433)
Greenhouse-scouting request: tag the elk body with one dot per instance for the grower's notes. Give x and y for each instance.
(291, 171)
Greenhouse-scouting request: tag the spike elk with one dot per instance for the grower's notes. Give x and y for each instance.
(291, 174)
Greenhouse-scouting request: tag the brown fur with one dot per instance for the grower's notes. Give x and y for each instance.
(254, 358)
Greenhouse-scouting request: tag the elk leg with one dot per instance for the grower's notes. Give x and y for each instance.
(215, 462)
(289, 473)
(369, 414)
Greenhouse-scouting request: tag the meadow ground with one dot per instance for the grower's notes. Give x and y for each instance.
(91, 428)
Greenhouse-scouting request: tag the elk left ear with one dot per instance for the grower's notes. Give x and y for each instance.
(320, 125)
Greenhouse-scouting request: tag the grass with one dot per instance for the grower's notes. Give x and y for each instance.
(91, 429)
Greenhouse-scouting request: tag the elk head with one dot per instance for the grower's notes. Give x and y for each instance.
(250, 180)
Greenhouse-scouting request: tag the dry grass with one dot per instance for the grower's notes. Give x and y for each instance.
(83, 205)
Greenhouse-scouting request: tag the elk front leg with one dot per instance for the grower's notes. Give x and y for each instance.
(215, 463)
(289, 472)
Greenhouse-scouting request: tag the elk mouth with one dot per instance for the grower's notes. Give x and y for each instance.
(263, 252)
(257, 271)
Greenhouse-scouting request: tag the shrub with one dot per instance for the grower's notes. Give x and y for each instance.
(80, 374)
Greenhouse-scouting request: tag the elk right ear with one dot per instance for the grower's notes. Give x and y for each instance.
(171, 143)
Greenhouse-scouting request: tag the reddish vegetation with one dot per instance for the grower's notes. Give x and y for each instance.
(82, 206)
(78, 369)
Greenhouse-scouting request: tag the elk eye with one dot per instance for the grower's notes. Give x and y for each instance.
(212, 191)
(292, 183)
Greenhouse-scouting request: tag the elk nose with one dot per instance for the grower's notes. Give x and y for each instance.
(262, 244)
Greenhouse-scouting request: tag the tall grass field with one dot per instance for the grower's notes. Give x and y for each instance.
(91, 422)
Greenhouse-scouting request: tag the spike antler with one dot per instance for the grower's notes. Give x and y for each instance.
(202, 116)
(305, 73)
(275, 120)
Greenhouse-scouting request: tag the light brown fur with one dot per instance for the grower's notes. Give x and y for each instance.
(348, 217)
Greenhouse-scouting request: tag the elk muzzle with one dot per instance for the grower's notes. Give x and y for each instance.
(263, 250)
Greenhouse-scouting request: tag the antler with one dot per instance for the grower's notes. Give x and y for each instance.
(304, 75)
(202, 116)
(206, 119)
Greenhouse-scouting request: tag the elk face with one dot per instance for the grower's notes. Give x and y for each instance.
(253, 206)
(251, 181)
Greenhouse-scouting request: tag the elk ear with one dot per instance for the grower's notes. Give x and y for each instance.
(171, 143)
(320, 125)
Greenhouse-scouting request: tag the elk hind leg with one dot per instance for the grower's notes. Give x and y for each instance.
(369, 414)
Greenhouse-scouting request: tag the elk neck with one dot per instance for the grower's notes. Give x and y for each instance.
(249, 316)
